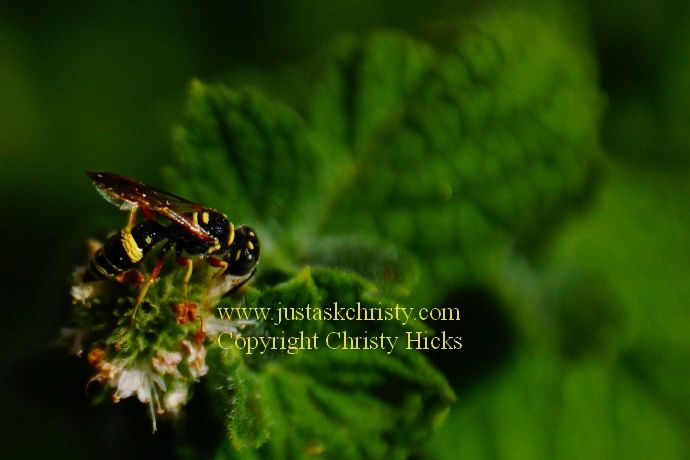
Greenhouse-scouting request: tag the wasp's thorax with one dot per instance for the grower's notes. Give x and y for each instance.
(215, 223)
(242, 252)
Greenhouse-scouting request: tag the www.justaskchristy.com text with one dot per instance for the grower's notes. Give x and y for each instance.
(335, 312)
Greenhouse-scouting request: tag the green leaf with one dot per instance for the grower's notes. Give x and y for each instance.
(246, 155)
(483, 143)
(341, 404)
(393, 270)
(363, 86)
(455, 153)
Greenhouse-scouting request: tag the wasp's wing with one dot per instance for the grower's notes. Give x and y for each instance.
(127, 193)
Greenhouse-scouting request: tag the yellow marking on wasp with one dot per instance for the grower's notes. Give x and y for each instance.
(237, 256)
(231, 234)
(102, 270)
(252, 234)
(250, 245)
(195, 218)
(131, 247)
(148, 240)
(215, 247)
(204, 217)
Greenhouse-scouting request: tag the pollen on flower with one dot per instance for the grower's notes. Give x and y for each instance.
(95, 357)
(185, 312)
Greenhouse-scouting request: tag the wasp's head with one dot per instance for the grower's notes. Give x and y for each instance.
(243, 253)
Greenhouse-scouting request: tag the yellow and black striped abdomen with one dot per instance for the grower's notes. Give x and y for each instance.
(124, 250)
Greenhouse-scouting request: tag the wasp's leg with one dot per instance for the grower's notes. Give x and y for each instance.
(186, 262)
(133, 277)
(144, 289)
(218, 263)
(152, 277)
(132, 221)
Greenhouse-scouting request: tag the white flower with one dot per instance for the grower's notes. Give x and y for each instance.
(108, 371)
(196, 358)
(81, 292)
(176, 397)
(142, 380)
(165, 362)
(224, 284)
(214, 325)
(145, 377)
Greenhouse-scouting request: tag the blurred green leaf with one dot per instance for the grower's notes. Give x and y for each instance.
(544, 407)
(636, 239)
(675, 96)
(602, 370)
(459, 152)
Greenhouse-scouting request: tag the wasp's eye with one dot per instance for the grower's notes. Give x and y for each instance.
(244, 252)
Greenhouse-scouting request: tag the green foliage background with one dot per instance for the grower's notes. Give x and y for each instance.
(526, 160)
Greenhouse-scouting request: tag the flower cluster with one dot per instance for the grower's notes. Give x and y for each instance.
(158, 381)
(158, 355)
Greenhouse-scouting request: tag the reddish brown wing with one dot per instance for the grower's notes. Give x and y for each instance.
(126, 193)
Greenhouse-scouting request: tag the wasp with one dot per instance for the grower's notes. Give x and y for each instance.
(192, 230)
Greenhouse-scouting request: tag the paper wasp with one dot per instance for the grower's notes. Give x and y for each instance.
(194, 230)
